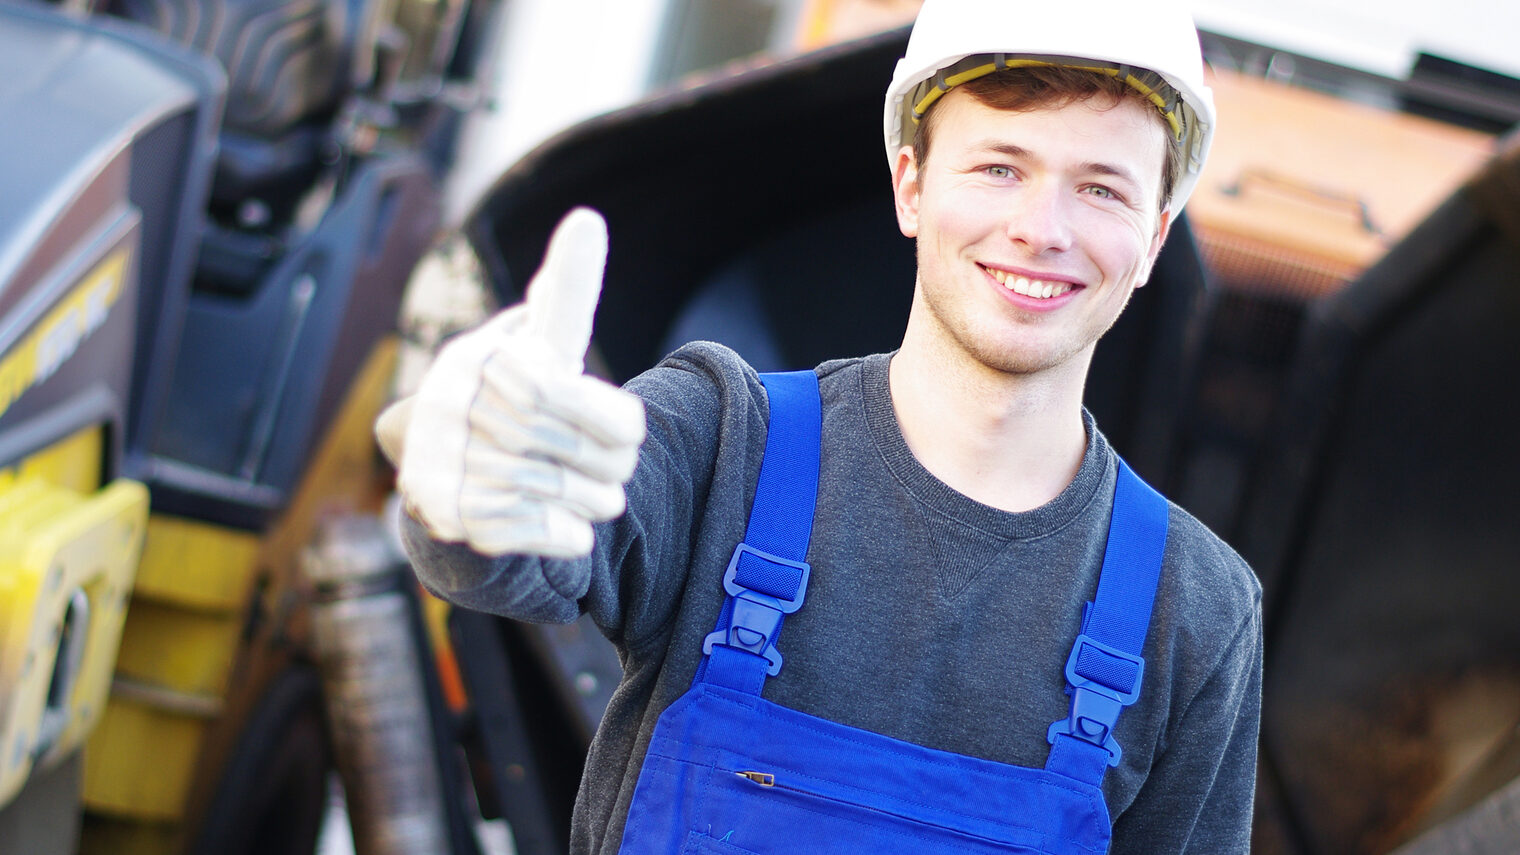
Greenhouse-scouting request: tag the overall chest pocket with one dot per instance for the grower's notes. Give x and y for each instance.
(786, 811)
(743, 776)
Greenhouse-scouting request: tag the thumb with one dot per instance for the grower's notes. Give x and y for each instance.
(390, 429)
(564, 292)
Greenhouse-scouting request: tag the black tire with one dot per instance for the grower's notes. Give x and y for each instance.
(273, 797)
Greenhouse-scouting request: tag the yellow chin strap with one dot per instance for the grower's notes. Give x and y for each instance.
(979, 66)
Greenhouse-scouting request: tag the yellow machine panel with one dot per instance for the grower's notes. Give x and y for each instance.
(177, 651)
(67, 561)
(136, 737)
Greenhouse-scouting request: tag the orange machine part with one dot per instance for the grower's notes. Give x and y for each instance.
(1304, 190)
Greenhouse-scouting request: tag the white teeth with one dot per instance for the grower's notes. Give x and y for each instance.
(1038, 289)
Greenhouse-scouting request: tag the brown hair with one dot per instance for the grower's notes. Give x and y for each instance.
(1033, 87)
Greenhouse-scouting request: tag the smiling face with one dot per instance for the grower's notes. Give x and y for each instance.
(1033, 227)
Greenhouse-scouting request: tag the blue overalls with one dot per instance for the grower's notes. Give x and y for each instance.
(730, 772)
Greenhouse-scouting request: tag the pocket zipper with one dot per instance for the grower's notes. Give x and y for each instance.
(767, 779)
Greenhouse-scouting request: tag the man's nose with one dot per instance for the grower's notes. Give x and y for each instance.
(1040, 218)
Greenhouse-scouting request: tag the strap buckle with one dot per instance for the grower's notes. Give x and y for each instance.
(1102, 681)
(765, 589)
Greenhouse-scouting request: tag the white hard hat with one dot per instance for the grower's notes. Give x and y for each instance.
(1152, 45)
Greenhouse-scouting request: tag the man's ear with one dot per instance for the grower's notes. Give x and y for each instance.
(905, 190)
(1163, 228)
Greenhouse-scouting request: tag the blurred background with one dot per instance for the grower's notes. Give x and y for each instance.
(627, 49)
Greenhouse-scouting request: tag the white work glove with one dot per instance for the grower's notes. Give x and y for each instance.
(507, 446)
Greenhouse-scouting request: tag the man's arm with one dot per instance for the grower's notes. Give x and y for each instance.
(1199, 795)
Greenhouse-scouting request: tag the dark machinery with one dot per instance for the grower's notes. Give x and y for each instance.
(210, 212)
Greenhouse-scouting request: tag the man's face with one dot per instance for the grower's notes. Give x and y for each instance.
(1033, 227)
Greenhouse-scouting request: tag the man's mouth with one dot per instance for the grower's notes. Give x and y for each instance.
(1039, 289)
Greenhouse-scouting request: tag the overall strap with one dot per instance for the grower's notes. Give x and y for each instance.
(767, 575)
(1105, 668)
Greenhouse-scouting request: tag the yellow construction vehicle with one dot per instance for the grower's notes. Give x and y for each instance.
(208, 213)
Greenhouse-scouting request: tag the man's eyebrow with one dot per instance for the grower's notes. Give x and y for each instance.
(1009, 149)
(1004, 148)
(1120, 172)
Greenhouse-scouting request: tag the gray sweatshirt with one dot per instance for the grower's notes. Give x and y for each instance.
(929, 617)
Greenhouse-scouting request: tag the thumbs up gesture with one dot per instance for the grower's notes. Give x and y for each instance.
(507, 446)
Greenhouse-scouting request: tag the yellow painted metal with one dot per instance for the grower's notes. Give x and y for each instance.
(184, 636)
(178, 647)
(53, 339)
(72, 463)
(196, 565)
(173, 648)
(67, 560)
(140, 760)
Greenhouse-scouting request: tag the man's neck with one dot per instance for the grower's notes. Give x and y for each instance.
(1013, 442)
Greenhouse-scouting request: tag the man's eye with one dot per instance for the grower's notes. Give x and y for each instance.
(1101, 192)
(999, 171)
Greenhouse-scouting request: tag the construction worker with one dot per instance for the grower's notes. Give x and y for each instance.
(996, 639)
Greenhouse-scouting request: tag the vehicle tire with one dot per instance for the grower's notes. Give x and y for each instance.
(273, 796)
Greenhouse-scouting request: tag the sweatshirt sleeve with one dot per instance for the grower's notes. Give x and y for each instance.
(701, 403)
(1199, 795)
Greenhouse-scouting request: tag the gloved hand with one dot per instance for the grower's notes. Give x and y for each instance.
(507, 446)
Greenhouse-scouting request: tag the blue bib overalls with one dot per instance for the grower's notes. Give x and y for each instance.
(729, 772)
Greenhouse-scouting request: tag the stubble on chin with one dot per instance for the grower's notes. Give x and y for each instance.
(1003, 343)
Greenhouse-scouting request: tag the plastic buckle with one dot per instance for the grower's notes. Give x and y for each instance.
(1095, 706)
(757, 616)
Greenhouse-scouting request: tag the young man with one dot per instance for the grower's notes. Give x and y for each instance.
(963, 502)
